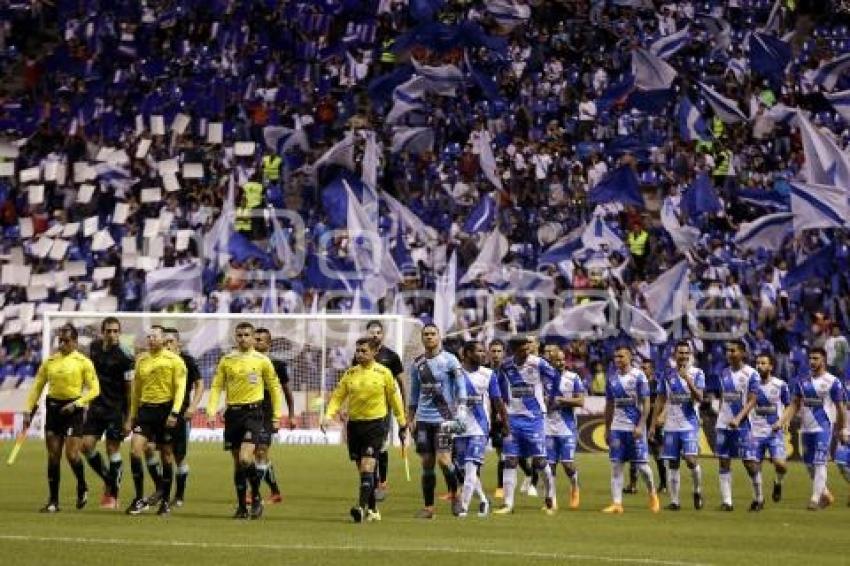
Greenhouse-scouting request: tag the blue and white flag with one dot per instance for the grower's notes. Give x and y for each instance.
(841, 102)
(684, 236)
(725, 108)
(508, 13)
(828, 73)
(738, 67)
(669, 44)
(651, 72)
(639, 325)
(441, 74)
(486, 159)
(444, 299)
(489, 258)
(413, 140)
(767, 232)
(824, 163)
(270, 303)
(769, 56)
(598, 234)
(409, 219)
(483, 216)
(820, 265)
(667, 296)
(819, 206)
(114, 176)
(341, 153)
(521, 281)
(719, 29)
(400, 109)
(774, 20)
(170, 285)
(279, 242)
(280, 139)
(692, 126)
(619, 185)
(579, 322)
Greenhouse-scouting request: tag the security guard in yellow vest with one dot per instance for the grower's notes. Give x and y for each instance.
(271, 167)
(387, 55)
(723, 162)
(638, 242)
(253, 194)
(718, 128)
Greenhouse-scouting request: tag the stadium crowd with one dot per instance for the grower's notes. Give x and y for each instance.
(132, 128)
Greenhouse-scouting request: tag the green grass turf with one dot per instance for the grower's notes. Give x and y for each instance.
(312, 526)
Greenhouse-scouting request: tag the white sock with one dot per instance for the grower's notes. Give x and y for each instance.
(469, 480)
(646, 474)
(509, 485)
(573, 479)
(617, 482)
(548, 480)
(674, 480)
(726, 487)
(845, 472)
(819, 483)
(479, 489)
(757, 486)
(696, 477)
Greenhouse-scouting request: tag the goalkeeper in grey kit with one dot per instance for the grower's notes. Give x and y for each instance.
(437, 406)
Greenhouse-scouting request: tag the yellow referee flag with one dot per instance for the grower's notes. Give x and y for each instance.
(19, 441)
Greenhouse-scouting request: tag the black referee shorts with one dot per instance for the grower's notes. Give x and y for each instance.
(150, 423)
(60, 424)
(365, 438)
(100, 422)
(242, 423)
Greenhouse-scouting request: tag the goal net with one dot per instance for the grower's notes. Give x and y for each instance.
(316, 348)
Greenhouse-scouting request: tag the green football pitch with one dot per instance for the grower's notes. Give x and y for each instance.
(312, 525)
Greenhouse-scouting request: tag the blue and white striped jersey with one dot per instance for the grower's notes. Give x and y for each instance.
(820, 396)
(562, 422)
(481, 386)
(626, 392)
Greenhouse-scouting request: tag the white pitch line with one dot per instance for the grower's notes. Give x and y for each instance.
(351, 548)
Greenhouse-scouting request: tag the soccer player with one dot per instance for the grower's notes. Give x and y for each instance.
(766, 433)
(738, 387)
(680, 391)
(656, 441)
(158, 390)
(496, 355)
(561, 429)
(626, 412)
(482, 391)
(243, 375)
(436, 408)
(528, 385)
(842, 450)
(109, 413)
(819, 399)
(390, 360)
(367, 388)
(263, 344)
(191, 400)
(71, 383)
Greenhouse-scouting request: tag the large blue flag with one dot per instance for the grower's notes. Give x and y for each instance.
(700, 198)
(483, 216)
(819, 265)
(335, 198)
(769, 56)
(620, 185)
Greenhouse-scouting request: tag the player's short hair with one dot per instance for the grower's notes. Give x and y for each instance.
(171, 330)
(109, 320)
(738, 343)
(262, 330)
(372, 343)
(767, 355)
(469, 346)
(431, 325)
(496, 342)
(818, 350)
(159, 327)
(373, 323)
(244, 324)
(683, 344)
(623, 347)
(68, 329)
(514, 342)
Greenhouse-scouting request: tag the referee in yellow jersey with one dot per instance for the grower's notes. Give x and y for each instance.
(242, 375)
(158, 390)
(67, 373)
(368, 387)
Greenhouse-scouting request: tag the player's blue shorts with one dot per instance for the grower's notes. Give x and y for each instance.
(842, 455)
(731, 442)
(623, 447)
(679, 443)
(815, 447)
(470, 449)
(560, 449)
(526, 440)
(773, 446)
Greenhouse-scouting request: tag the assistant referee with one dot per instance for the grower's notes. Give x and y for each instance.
(242, 375)
(368, 387)
(67, 373)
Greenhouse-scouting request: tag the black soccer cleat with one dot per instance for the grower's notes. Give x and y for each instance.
(154, 499)
(699, 502)
(357, 514)
(51, 507)
(256, 508)
(164, 509)
(137, 506)
(241, 513)
(82, 497)
(756, 506)
(726, 507)
(673, 507)
(630, 489)
(777, 492)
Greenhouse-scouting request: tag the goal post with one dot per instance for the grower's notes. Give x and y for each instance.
(316, 349)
